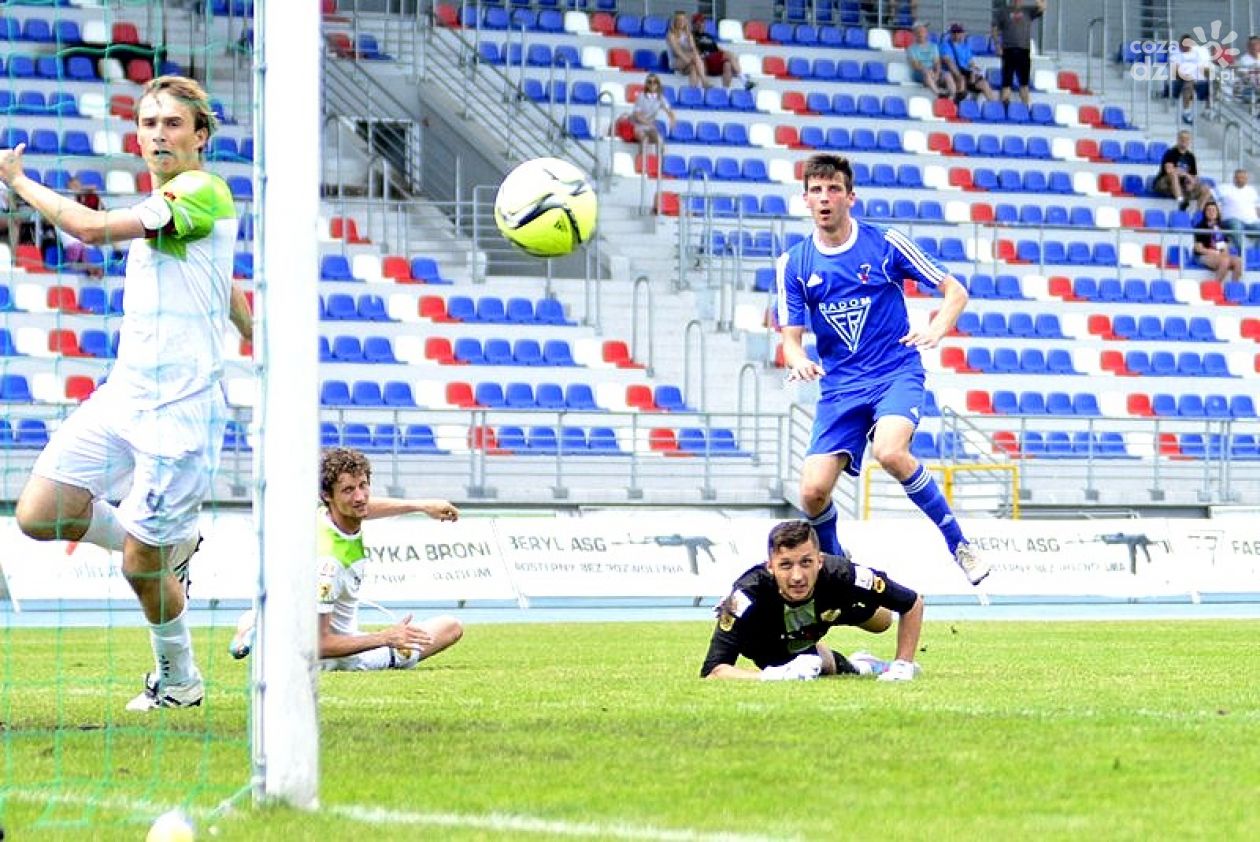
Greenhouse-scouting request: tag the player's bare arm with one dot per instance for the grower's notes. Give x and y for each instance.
(956, 298)
(240, 313)
(732, 671)
(91, 226)
(400, 635)
(379, 507)
(799, 365)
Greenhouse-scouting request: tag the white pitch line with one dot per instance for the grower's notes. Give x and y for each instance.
(497, 822)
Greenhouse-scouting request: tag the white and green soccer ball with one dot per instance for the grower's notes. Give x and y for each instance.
(546, 207)
(173, 826)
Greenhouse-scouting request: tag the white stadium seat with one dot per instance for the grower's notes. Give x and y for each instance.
(1065, 114)
(623, 165)
(761, 134)
(402, 307)
(240, 391)
(879, 39)
(32, 342)
(111, 70)
(1085, 183)
(731, 31)
(616, 90)
(750, 318)
(589, 352)
(1045, 80)
(120, 182)
(1130, 254)
(954, 399)
(47, 387)
(410, 349)
(611, 396)
(93, 104)
(899, 74)
(452, 437)
(1063, 149)
(367, 267)
(958, 212)
(936, 177)
(1112, 404)
(1185, 290)
(1036, 287)
(430, 394)
(1227, 328)
(594, 58)
(1087, 360)
(1107, 216)
(577, 23)
(95, 32)
(914, 142)
(797, 206)
(781, 171)
(33, 298)
(105, 142)
(769, 102)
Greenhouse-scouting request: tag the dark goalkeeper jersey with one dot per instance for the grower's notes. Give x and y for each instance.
(757, 622)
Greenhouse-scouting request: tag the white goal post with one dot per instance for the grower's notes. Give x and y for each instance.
(287, 73)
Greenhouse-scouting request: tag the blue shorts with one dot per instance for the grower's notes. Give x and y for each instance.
(845, 421)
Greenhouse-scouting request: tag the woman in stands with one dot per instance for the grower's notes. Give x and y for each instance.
(1211, 244)
(647, 109)
(684, 57)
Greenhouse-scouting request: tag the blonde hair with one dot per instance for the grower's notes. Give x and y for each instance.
(190, 93)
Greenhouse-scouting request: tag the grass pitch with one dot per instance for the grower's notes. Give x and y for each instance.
(1125, 730)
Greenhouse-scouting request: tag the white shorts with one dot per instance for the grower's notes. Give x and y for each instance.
(380, 658)
(169, 455)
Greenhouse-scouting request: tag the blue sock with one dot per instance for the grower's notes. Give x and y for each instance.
(824, 524)
(926, 494)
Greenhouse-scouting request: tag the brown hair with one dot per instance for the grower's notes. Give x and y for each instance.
(337, 461)
(790, 534)
(825, 167)
(190, 93)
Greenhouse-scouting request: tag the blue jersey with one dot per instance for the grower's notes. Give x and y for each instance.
(851, 296)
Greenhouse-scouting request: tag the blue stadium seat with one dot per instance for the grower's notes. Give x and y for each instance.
(461, 308)
(31, 433)
(347, 349)
(366, 393)
(603, 440)
(334, 393)
(490, 395)
(1032, 403)
(542, 441)
(491, 310)
(340, 307)
(517, 396)
(923, 445)
(397, 393)
(1005, 402)
(980, 359)
(527, 352)
(498, 351)
(549, 396)
(468, 350)
(580, 396)
(670, 399)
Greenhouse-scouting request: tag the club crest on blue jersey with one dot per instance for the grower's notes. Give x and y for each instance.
(847, 318)
(864, 273)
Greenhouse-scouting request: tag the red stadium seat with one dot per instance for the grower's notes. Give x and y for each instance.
(775, 66)
(603, 23)
(447, 15)
(618, 353)
(757, 31)
(434, 307)
(79, 387)
(1004, 442)
(1091, 116)
(788, 136)
(960, 177)
(460, 394)
(341, 45)
(1004, 250)
(343, 227)
(121, 105)
(1087, 148)
(1152, 255)
(979, 401)
(621, 59)
(63, 299)
(1139, 404)
(640, 397)
(911, 289)
(396, 268)
(1099, 325)
(902, 38)
(662, 440)
(653, 165)
(140, 71)
(945, 109)
(1130, 218)
(1061, 287)
(1109, 182)
(27, 257)
(125, 33)
(438, 349)
(131, 144)
(1069, 81)
(1250, 329)
(940, 142)
(982, 212)
(955, 358)
(483, 438)
(1113, 361)
(64, 342)
(667, 203)
(1169, 445)
(1213, 291)
(794, 101)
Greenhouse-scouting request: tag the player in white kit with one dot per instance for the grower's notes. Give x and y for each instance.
(157, 421)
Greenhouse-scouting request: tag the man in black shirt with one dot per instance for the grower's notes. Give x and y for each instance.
(717, 61)
(1178, 174)
(779, 611)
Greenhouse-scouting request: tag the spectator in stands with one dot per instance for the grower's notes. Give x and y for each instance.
(1211, 244)
(648, 107)
(684, 56)
(845, 283)
(1178, 174)
(345, 491)
(924, 59)
(1247, 73)
(779, 611)
(717, 61)
(1238, 203)
(1190, 69)
(1012, 37)
(155, 426)
(958, 62)
(72, 248)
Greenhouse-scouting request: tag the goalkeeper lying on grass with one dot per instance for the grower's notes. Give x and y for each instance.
(779, 611)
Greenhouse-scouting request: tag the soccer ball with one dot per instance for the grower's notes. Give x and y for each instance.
(172, 826)
(546, 207)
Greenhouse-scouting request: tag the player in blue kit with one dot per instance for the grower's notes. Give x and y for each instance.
(845, 283)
